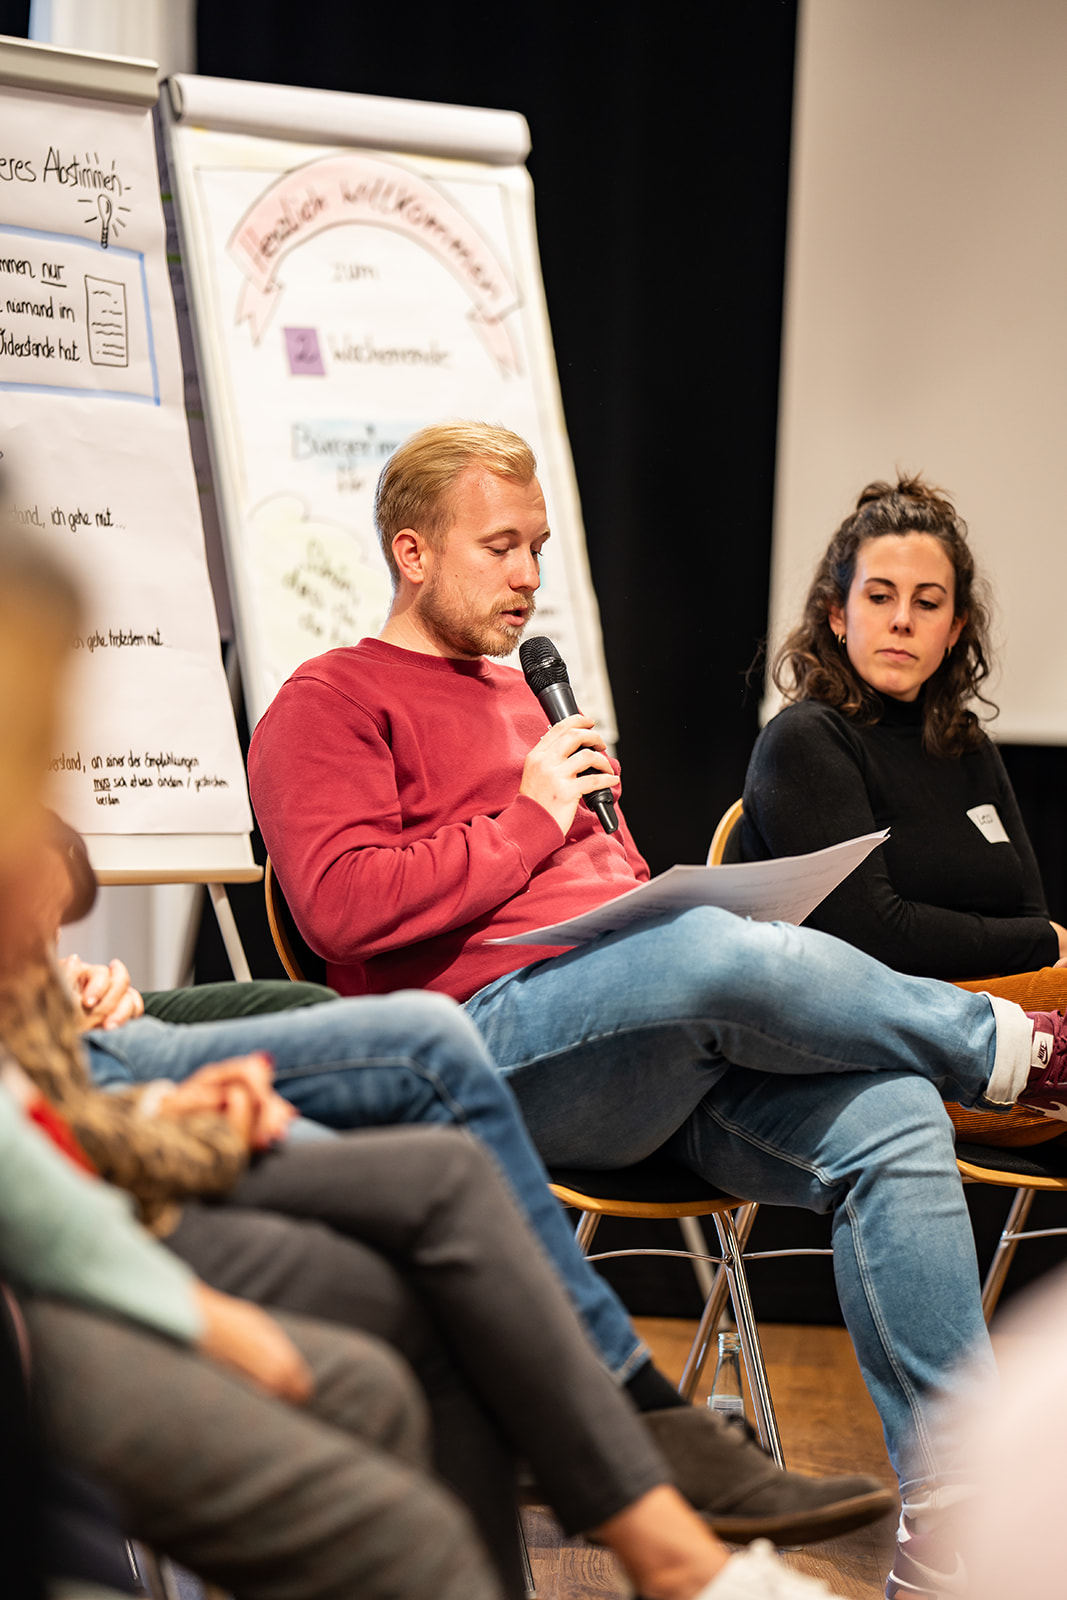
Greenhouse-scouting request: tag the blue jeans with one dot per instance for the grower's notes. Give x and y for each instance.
(785, 1067)
(375, 1062)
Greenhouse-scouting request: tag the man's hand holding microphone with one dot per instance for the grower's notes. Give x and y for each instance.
(570, 762)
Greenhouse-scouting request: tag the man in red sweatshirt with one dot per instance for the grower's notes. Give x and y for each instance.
(416, 807)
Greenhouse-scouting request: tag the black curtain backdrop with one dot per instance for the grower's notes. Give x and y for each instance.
(15, 18)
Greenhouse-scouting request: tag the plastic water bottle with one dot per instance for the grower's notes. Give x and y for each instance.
(727, 1396)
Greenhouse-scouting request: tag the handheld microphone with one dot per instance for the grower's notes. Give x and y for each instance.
(546, 674)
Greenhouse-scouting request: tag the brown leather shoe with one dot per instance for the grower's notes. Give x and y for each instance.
(742, 1495)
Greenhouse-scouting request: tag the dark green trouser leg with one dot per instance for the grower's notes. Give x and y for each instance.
(218, 1002)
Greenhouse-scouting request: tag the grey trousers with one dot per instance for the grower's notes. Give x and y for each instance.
(326, 1502)
(411, 1234)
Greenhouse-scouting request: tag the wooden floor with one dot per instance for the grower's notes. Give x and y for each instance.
(828, 1424)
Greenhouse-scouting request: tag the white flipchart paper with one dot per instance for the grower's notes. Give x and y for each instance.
(785, 890)
(97, 464)
(344, 298)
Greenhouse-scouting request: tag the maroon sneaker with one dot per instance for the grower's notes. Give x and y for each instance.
(926, 1567)
(1046, 1087)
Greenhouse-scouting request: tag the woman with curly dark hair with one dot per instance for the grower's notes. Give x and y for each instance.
(882, 674)
(817, 662)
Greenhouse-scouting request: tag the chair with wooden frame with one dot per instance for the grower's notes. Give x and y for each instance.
(296, 955)
(1028, 1169)
(655, 1189)
(658, 1189)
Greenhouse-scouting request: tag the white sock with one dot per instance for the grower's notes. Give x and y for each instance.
(1013, 1058)
(757, 1574)
(925, 1506)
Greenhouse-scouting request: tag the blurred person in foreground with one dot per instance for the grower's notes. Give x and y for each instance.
(1008, 1536)
(260, 1455)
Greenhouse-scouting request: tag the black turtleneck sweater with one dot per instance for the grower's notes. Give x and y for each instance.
(938, 898)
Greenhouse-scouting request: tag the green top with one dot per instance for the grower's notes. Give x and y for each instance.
(66, 1234)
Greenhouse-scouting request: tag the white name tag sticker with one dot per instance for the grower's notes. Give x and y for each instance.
(987, 820)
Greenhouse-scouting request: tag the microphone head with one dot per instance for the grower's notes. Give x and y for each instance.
(542, 663)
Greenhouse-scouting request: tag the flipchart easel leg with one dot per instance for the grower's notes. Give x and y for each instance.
(235, 950)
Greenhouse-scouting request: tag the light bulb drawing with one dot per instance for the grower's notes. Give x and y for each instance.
(105, 207)
(106, 210)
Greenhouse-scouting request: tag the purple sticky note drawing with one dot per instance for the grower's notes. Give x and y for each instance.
(305, 357)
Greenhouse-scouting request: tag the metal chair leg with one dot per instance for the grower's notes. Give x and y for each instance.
(135, 1571)
(733, 1274)
(714, 1306)
(1004, 1254)
(585, 1232)
(693, 1234)
(529, 1586)
(147, 1569)
(745, 1317)
(158, 1576)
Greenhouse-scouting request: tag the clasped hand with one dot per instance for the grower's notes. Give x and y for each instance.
(105, 995)
(241, 1090)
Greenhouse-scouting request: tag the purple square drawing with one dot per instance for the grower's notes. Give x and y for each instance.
(305, 357)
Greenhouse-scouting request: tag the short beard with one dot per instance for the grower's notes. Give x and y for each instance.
(463, 632)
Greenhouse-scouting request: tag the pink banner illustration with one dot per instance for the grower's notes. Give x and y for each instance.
(361, 189)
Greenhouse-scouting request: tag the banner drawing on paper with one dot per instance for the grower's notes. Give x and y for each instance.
(360, 189)
(74, 319)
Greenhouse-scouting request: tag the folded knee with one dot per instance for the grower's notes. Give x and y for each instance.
(437, 1024)
(714, 962)
(454, 1168)
(371, 1392)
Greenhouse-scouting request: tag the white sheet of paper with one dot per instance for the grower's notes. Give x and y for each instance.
(97, 464)
(345, 298)
(785, 890)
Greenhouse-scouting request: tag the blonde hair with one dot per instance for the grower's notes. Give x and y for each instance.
(416, 483)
